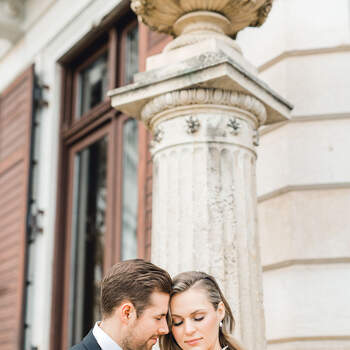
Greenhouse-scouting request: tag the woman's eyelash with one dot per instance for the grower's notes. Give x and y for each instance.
(199, 318)
(175, 324)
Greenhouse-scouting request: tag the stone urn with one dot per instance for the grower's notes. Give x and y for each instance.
(191, 21)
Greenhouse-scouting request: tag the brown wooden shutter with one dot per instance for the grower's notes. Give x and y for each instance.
(150, 43)
(15, 129)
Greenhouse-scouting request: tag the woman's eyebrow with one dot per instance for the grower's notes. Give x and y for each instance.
(197, 311)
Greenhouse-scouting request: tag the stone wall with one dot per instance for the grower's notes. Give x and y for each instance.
(302, 51)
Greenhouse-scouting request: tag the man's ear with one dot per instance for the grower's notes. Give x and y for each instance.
(127, 312)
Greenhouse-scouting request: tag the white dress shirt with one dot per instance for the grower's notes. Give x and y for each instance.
(103, 339)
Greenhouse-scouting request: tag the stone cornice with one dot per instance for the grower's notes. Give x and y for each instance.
(202, 96)
(161, 15)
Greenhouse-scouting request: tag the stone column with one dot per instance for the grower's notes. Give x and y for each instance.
(204, 196)
(204, 104)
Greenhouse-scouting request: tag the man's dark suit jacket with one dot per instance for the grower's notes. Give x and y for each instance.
(88, 343)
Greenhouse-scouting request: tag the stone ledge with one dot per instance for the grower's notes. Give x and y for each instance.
(207, 70)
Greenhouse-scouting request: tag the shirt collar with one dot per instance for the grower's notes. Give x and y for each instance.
(103, 339)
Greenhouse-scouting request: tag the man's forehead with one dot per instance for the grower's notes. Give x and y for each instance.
(159, 300)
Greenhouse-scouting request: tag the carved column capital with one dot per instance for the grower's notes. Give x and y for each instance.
(153, 110)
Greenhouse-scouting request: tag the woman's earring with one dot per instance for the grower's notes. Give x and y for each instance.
(220, 324)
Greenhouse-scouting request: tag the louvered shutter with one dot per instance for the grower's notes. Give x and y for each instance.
(15, 128)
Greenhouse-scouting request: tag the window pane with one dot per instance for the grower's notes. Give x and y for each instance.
(88, 232)
(93, 85)
(132, 55)
(130, 192)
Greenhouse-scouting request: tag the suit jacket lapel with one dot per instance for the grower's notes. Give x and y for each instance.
(90, 342)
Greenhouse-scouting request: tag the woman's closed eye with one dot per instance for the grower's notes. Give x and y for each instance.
(199, 318)
(178, 323)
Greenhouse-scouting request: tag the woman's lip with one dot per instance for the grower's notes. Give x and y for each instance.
(192, 341)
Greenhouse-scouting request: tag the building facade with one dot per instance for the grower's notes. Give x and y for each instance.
(76, 175)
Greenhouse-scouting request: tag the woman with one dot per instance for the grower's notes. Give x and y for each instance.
(200, 317)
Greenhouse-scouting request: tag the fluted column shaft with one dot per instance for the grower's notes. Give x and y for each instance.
(204, 195)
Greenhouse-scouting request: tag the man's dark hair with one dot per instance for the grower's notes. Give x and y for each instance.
(134, 280)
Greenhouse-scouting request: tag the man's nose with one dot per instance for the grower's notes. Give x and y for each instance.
(189, 328)
(164, 329)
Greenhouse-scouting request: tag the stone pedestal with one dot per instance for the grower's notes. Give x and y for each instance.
(204, 104)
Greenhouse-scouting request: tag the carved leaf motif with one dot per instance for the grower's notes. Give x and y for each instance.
(234, 125)
(192, 125)
(203, 96)
(158, 135)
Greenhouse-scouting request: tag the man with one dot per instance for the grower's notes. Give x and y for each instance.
(134, 305)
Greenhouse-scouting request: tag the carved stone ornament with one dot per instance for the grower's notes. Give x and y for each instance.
(192, 124)
(234, 125)
(161, 15)
(202, 96)
(157, 136)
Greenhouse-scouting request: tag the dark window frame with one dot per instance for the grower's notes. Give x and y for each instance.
(75, 117)
(74, 133)
(73, 151)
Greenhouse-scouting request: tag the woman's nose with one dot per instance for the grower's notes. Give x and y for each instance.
(189, 327)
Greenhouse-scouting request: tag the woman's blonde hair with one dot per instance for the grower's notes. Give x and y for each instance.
(202, 280)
